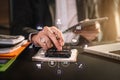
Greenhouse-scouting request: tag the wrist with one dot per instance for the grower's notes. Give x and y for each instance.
(31, 35)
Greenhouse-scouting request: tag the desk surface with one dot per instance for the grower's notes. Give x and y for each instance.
(88, 67)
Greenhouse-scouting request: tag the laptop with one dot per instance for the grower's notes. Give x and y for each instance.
(111, 50)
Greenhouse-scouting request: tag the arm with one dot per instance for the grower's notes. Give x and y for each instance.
(27, 14)
(22, 23)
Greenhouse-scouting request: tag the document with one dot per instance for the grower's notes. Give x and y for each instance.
(8, 40)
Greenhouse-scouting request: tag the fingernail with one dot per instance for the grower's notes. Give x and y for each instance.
(60, 49)
(61, 43)
(51, 45)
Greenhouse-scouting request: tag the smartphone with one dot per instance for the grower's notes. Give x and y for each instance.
(53, 52)
(87, 23)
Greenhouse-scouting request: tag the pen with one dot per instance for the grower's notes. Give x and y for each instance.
(71, 28)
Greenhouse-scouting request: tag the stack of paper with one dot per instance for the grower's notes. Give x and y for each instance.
(10, 48)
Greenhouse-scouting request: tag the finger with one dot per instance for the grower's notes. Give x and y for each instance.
(48, 42)
(58, 34)
(52, 36)
(89, 36)
(90, 27)
(87, 31)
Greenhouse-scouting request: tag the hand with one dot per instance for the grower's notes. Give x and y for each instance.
(89, 32)
(48, 37)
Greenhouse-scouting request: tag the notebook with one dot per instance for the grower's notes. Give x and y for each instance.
(15, 52)
(8, 40)
(6, 63)
(111, 50)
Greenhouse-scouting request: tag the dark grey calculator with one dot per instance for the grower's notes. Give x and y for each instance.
(53, 52)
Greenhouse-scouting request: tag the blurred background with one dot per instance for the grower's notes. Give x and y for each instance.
(4, 16)
(110, 30)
